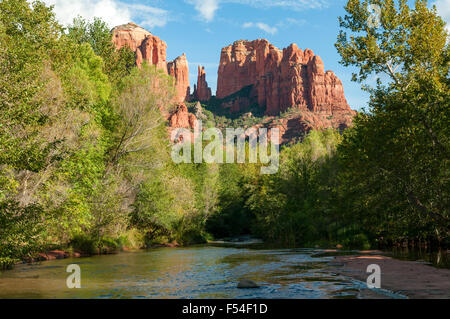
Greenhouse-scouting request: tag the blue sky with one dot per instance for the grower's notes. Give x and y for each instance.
(200, 28)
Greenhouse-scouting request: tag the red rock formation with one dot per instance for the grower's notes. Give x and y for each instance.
(152, 49)
(237, 68)
(279, 80)
(181, 118)
(202, 92)
(148, 47)
(179, 69)
(250, 73)
(327, 91)
(294, 127)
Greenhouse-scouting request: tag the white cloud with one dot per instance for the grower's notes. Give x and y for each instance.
(291, 22)
(443, 9)
(113, 12)
(296, 5)
(108, 10)
(261, 26)
(206, 8)
(149, 16)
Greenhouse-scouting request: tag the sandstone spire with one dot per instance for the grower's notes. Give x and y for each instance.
(179, 69)
(202, 92)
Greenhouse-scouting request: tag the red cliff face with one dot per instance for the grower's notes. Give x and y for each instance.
(278, 80)
(202, 92)
(179, 69)
(148, 47)
(152, 49)
(181, 118)
(326, 90)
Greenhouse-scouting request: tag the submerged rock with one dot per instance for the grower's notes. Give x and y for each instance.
(246, 284)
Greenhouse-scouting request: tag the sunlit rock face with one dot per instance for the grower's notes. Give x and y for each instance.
(152, 49)
(258, 73)
(202, 92)
(251, 73)
(179, 69)
(147, 46)
(181, 118)
(279, 79)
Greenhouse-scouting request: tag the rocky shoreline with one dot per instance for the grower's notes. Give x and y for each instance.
(63, 254)
(413, 279)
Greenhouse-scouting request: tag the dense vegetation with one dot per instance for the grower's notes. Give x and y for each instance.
(85, 156)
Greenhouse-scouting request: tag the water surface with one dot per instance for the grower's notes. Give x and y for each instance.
(193, 272)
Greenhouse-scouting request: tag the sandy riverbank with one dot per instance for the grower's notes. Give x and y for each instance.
(414, 279)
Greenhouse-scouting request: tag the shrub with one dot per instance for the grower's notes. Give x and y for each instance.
(84, 244)
(358, 241)
(7, 263)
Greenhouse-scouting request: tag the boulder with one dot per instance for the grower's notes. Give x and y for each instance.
(52, 255)
(247, 284)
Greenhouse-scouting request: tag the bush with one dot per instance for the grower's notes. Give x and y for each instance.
(358, 241)
(7, 263)
(193, 237)
(84, 244)
(90, 246)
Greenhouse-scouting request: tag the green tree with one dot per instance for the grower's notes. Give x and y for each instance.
(396, 158)
(55, 98)
(117, 63)
(293, 207)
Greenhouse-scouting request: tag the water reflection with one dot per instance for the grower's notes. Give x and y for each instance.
(437, 258)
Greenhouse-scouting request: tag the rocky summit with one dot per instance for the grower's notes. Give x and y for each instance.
(179, 69)
(152, 49)
(278, 79)
(202, 92)
(147, 46)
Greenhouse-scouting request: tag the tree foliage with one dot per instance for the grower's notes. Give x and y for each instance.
(396, 158)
